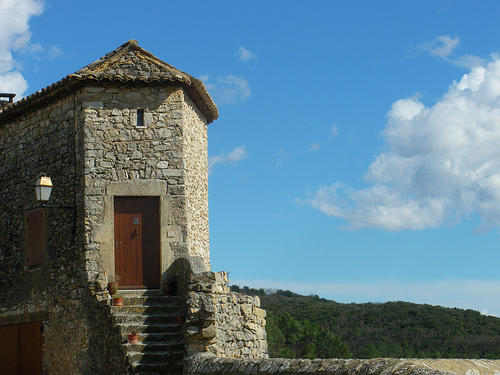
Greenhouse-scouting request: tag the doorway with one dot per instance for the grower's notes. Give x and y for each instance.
(137, 242)
(21, 349)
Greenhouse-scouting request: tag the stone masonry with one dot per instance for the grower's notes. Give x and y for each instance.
(209, 364)
(222, 323)
(127, 125)
(161, 160)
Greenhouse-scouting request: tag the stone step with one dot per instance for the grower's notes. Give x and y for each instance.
(157, 368)
(157, 308)
(147, 297)
(168, 356)
(168, 329)
(152, 314)
(167, 300)
(156, 337)
(143, 292)
(146, 319)
(176, 346)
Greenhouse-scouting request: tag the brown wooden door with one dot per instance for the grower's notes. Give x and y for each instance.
(21, 349)
(137, 242)
(9, 349)
(30, 353)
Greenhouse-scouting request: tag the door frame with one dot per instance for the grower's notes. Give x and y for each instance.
(148, 268)
(169, 234)
(23, 321)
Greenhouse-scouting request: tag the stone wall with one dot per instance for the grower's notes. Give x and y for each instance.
(39, 142)
(223, 323)
(168, 152)
(87, 140)
(85, 133)
(210, 364)
(76, 326)
(196, 165)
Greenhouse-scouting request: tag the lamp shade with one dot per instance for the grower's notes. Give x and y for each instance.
(43, 188)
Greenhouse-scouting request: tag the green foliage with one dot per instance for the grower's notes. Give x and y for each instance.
(300, 326)
(290, 338)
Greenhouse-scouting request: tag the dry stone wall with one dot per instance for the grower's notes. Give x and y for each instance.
(210, 364)
(76, 327)
(196, 165)
(223, 323)
(169, 149)
(130, 129)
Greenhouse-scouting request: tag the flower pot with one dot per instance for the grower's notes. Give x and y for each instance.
(132, 338)
(113, 287)
(180, 319)
(118, 301)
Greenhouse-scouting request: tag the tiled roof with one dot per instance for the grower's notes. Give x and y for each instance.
(128, 63)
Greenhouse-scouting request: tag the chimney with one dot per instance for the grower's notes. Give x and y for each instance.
(3, 102)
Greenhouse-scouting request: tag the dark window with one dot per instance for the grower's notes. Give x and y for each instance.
(35, 237)
(140, 117)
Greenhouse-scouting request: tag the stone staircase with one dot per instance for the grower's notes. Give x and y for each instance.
(152, 314)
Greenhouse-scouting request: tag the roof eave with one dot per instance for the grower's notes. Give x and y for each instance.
(193, 86)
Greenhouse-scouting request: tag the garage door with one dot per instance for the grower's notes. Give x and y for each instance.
(21, 349)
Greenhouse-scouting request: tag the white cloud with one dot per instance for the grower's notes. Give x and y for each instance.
(468, 61)
(54, 51)
(244, 55)
(483, 296)
(440, 163)
(238, 154)
(443, 47)
(227, 90)
(13, 82)
(314, 147)
(335, 130)
(15, 36)
(283, 156)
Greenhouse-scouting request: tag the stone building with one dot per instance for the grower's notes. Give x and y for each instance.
(124, 143)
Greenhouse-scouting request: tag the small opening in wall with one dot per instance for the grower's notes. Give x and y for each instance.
(140, 118)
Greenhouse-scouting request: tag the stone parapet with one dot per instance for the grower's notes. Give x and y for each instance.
(213, 365)
(222, 323)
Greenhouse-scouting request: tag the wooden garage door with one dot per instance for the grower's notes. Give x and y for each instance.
(21, 349)
(137, 242)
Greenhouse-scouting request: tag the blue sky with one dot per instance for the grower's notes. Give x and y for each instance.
(356, 154)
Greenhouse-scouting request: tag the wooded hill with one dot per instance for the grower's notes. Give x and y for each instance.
(312, 327)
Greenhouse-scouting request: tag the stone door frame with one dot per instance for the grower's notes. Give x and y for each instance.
(169, 234)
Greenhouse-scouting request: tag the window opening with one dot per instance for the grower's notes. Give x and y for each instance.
(35, 237)
(140, 118)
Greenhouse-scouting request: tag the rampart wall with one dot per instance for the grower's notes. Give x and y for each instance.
(223, 323)
(210, 364)
(225, 335)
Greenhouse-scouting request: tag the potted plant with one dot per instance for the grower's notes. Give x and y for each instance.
(117, 300)
(113, 284)
(133, 337)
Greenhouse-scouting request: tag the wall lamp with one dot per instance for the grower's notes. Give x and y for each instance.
(43, 188)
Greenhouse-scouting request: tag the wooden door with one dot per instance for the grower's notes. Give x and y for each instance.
(30, 352)
(9, 349)
(137, 242)
(21, 349)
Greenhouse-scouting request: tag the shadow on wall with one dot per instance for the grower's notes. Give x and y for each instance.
(180, 271)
